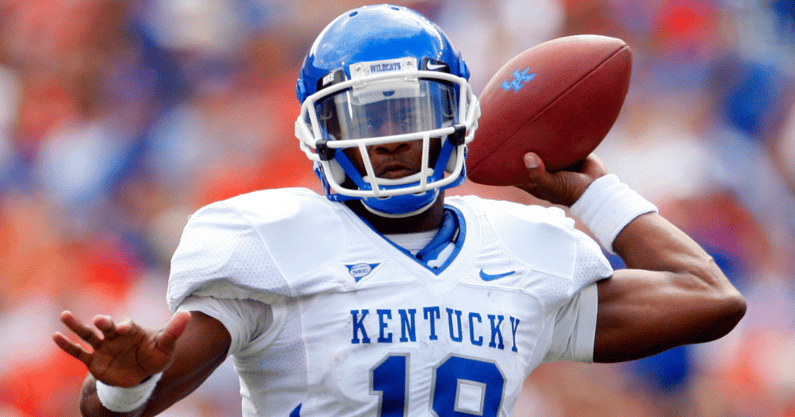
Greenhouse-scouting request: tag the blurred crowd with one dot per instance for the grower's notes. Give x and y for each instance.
(118, 119)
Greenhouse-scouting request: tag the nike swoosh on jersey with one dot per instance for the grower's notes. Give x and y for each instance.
(490, 277)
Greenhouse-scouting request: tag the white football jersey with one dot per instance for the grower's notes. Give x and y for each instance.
(329, 318)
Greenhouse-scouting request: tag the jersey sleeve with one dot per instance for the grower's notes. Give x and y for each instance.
(221, 254)
(575, 322)
(245, 320)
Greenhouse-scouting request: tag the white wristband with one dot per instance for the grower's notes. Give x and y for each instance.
(122, 400)
(607, 206)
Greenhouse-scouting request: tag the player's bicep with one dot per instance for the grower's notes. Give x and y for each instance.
(642, 313)
(201, 349)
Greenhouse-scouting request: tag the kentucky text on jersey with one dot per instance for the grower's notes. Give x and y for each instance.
(400, 326)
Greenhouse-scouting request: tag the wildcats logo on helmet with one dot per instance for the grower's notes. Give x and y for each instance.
(387, 65)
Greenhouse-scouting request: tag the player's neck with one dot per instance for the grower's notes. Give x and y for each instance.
(430, 219)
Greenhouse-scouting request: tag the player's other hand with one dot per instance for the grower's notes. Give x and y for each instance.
(561, 187)
(123, 354)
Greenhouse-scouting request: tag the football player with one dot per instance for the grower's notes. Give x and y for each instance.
(384, 297)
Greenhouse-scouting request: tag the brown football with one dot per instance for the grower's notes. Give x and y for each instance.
(559, 99)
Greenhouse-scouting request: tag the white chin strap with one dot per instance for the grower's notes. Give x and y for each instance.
(336, 172)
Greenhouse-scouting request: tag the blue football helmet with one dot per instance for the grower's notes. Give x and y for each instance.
(381, 75)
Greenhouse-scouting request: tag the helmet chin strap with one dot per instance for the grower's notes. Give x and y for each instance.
(401, 215)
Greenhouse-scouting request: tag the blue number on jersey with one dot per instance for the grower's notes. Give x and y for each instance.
(389, 379)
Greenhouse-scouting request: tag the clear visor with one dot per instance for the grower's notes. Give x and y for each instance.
(386, 109)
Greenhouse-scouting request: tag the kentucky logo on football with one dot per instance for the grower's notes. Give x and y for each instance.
(361, 270)
(520, 77)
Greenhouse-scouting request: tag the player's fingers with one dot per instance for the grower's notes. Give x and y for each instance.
(537, 174)
(532, 162)
(594, 159)
(73, 349)
(127, 326)
(561, 187)
(167, 338)
(594, 166)
(83, 331)
(106, 326)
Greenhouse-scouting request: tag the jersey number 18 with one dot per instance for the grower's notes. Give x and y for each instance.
(461, 387)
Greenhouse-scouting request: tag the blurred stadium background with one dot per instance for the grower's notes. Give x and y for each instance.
(120, 118)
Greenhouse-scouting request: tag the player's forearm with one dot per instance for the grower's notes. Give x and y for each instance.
(90, 406)
(671, 294)
(652, 243)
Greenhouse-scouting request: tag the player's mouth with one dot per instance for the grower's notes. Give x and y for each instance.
(394, 172)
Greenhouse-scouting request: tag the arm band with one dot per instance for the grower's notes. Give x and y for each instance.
(122, 400)
(607, 206)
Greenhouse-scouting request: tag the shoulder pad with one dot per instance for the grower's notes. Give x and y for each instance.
(300, 229)
(255, 245)
(541, 237)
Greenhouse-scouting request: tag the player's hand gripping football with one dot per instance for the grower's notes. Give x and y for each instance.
(123, 354)
(561, 187)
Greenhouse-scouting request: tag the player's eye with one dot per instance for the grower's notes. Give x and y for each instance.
(373, 124)
(407, 121)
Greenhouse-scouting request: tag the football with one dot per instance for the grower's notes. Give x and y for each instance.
(558, 99)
